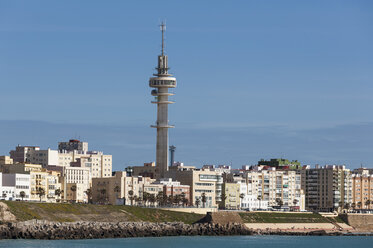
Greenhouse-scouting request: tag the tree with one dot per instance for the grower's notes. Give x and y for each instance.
(203, 199)
(367, 203)
(242, 195)
(260, 201)
(185, 201)
(88, 192)
(279, 202)
(353, 205)
(177, 200)
(160, 198)
(22, 194)
(145, 197)
(40, 193)
(130, 193)
(198, 201)
(359, 205)
(73, 189)
(222, 201)
(152, 199)
(170, 200)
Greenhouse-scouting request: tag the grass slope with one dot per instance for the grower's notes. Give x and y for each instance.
(269, 217)
(65, 212)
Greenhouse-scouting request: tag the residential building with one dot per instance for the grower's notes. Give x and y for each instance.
(202, 182)
(281, 188)
(5, 160)
(16, 183)
(119, 189)
(280, 163)
(75, 181)
(327, 188)
(362, 189)
(33, 155)
(231, 196)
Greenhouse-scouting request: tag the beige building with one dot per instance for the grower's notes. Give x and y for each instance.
(201, 181)
(75, 181)
(119, 189)
(5, 160)
(231, 196)
(327, 188)
(362, 189)
(100, 165)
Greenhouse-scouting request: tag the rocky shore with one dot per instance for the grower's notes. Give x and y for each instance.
(97, 230)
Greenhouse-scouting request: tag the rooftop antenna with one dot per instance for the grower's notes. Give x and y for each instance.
(163, 29)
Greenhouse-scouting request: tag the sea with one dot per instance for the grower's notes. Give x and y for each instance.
(204, 242)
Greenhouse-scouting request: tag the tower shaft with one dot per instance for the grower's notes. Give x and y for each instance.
(161, 82)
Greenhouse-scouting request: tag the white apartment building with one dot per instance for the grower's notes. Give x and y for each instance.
(251, 201)
(16, 183)
(277, 186)
(100, 165)
(75, 181)
(33, 155)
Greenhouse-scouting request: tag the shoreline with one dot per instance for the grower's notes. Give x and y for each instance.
(45, 230)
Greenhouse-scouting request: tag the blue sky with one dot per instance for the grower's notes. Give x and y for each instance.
(256, 79)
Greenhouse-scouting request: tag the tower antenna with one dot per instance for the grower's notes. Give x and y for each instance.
(163, 29)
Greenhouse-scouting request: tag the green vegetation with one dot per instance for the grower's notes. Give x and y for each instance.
(65, 212)
(336, 219)
(278, 217)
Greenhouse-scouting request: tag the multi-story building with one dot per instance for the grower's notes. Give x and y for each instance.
(17, 183)
(281, 188)
(75, 181)
(202, 182)
(99, 164)
(119, 189)
(280, 163)
(231, 196)
(362, 189)
(327, 188)
(73, 145)
(249, 200)
(33, 155)
(5, 160)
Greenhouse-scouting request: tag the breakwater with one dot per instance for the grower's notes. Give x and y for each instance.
(96, 230)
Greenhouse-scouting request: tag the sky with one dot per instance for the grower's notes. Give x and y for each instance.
(256, 79)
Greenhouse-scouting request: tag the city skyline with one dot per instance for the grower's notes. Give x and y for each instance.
(291, 81)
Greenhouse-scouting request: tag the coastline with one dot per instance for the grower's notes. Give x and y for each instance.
(97, 230)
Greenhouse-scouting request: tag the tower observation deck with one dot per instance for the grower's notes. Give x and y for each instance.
(161, 82)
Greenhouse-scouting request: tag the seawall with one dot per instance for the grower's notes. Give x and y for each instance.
(361, 222)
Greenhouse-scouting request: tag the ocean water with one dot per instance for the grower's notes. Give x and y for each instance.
(202, 242)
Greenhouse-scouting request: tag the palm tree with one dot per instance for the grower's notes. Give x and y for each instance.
(88, 192)
(170, 200)
(367, 203)
(177, 200)
(222, 201)
(279, 202)
(359, 205)
(57, 193)
(353, 205)
(203, 199)
(130, 193)
(145, 197)
(242, 195)
(41, 192)
(152, 199)
(260, 201)
(160, 198)
(22, 194)
(198, 201)
(73, 189)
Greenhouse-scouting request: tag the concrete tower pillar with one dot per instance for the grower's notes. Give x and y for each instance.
(162, 82)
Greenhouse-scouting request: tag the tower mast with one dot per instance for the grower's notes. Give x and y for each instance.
(161, 83)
